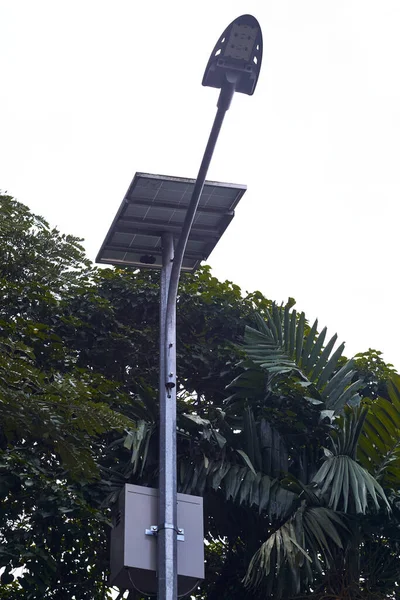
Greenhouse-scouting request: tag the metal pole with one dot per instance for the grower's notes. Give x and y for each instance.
(167, 507)
(224, 101)
(168, 527)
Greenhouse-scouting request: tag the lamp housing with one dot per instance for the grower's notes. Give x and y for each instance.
(236, 58)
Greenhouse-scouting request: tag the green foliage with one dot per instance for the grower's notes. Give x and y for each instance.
(27, 237)
(282, 564)
(63, 412)
(55, 418)
(281, 557)
(379, 448)
(296, 479)
(345, 482)
(288, 367)
(374, 371)
(283, 345)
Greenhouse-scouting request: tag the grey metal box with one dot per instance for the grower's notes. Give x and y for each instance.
(134, 554)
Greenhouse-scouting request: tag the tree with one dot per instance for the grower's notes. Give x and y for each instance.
(308, 469)
(256, 456)
(52, 416)
(268, 414)
(79, 362)
(375, 373)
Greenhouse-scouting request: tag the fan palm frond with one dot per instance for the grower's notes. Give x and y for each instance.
(283, 562)
(283, 343)
(344, 482)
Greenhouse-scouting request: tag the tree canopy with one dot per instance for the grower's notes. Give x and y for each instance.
(293, 447)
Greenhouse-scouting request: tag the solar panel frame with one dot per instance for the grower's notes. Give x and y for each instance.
(157, 204)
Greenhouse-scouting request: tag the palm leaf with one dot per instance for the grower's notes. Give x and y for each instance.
(379, 445)
(284, 548)
(324, 530)
(138, 441)
(345, 483)
(238, 483)
(280, 345)
(283, 560)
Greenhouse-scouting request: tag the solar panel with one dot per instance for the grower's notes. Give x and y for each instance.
(157, 204)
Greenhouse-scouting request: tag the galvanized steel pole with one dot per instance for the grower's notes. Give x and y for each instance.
(167, 507)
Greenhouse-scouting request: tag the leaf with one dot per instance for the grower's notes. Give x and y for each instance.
(246, 460)
(277, 347)
(129, 440)
(323, 519)
(196, 419)
(356, 483)
(246, 488)
(322, 360)
(300, 337)
(379, 445)
(330, 367)
(206, 461)
(265, 489)
(283, 549)
(308, 346)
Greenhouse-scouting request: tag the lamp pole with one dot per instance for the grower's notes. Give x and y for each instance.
(234, 65)
(170, 274)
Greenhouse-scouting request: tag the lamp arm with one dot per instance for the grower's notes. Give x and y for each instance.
(224, 102)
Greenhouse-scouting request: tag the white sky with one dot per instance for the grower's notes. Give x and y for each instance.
(92, 91)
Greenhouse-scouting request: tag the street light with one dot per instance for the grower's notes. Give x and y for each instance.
(149, 232)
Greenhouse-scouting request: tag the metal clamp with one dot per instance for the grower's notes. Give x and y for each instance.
(154, 529)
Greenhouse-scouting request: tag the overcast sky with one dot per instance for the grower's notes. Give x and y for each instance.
(92, 91)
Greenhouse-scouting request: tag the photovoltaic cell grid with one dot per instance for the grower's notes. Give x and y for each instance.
(156, 204)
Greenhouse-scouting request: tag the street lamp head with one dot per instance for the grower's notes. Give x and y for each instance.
(236, 58)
